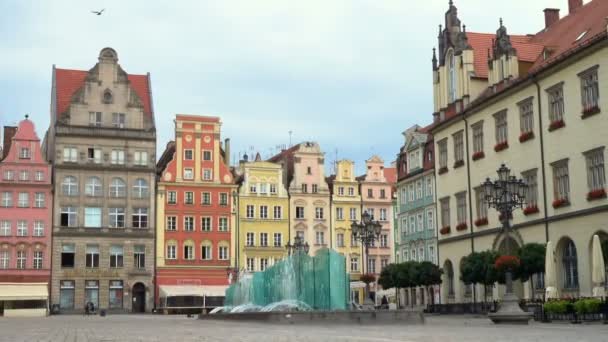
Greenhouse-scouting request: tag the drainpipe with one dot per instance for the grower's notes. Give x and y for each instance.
(542, 156)
(468, 164)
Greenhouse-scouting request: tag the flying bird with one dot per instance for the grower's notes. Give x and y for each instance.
(98, 12)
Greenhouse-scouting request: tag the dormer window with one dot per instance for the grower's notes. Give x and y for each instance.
(107, 96)
(580, 36)
(24, 153)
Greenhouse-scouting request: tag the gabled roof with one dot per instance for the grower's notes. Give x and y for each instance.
(390, 173)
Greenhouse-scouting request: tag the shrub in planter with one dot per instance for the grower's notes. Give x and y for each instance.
(445, 230)
(596, 194)
(531, 210)
(367, 278)
(590, 305)
(458, 164)
(556, 125)
(556, 306)
(481, 222)
(443, 170)
(590, 111)
(526, 136)
(560, 202)
(478, 155)
(461, 226)
(501, 146)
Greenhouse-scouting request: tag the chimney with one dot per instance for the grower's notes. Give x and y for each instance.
(227, 151)
(9, 133)
(551, 16)
(573, 5)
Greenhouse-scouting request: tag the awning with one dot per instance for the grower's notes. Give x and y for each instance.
(24, 291)
(192, 291)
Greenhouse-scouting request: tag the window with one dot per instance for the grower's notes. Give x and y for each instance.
(94, 155)
(250, 211)
(354, 242)
(116, 256)
(250, 239)
(351, 191)
(253, 188)
(171, 251)
(461, 208)
(118, 120)
(445, 212)
(319, 213)
(69, 186)
(308, 170)
(320, 237)
(117, 217)
(118, 188)
(188, 251)
(278, 239)
(304, 188)
(93, 187)
(92, 256)
(443, 153)
(116, 292)
(383, 216)
(382, 193)
(223, 252)
(250, 264)
(206, 155)
(206, 252)
(117, 157)
(353, 214)
(526, 116)
(188, 174)
(278, 212)
(207, 174)
(9, 175)
(223, 199)
(414, 255)
(555, 95)
(590, 92)
(189, 223)
(431, 256)
(24, 200)
(140, 158)
(205, 224)
(189, 197)
(300, 234)
(500, 120)
(4, 260)
(570, 266)
(315, 188)
(458, 147)
(480, 203)
(477, 137)
(371, 265)
(530, 179)
(561, 182)
(420, 222)
(223, 224)
(139, 256)
(5, 228)
(66, 294)
(429, 186)
(354, 264)
(339, 213)
(273, 188)
(140, 217)
(39, 176)
(24, 175)
(205, 198)
(299, 212)
(372, 213)
(340, 240)
(264, 239)
(188, 155)
(172, 197)
(263, 188)
(172, 223)
(24, 153)
(68, 252)
(68, 217)
(21, 228)
(383, 263)
(596, 176)
(412, 220)
(92, 217)
(341, 191)
(419, 190)
(370, 193)
(384, 240)
(70, 154)
(95, 119)
(7, 199)
(263, 211)
(91, 292)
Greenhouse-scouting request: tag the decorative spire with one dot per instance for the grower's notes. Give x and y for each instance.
(500, 20)
(27, 116)
(451, 3)
(434, 59)
(464, 28)
(440, 29)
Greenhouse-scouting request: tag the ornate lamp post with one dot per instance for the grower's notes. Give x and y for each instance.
(367, 231)
(506, 194)
(298, 246)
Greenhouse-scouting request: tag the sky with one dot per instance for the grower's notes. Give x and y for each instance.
(350, 74)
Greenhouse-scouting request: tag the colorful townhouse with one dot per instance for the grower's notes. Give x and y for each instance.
(195, 216)
(263, 222)
(26, 204)
(309, 203)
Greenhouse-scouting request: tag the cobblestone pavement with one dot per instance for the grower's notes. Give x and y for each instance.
(179, 328)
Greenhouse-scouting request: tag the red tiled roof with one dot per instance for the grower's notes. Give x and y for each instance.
(69, 81)
(390, 173)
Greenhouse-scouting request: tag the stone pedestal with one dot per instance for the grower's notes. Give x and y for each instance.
(510, 312)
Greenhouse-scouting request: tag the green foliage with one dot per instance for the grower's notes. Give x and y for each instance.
(532, 260)
(410, 274)
(590, 305)
(367, 278)
(388, 276)
(557, 306)
(478, 268)
(428, 274)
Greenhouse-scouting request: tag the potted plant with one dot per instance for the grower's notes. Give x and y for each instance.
(557, 124)
(560, 202)
(445, 230)
(587, 112)
(481, 221)
(531, 209)
(501, 146)
(478, 155)
(461, 226)
(596, 194)
(525, 136)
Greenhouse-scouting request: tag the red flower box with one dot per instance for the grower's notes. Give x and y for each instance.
(442, 170)
(507, 262)
(526, 136)
(461, 226)
(478, 155)
(445, 230)
(531, 210)
(501, 146)
(587, 112)
(596, 194)
(458, 164)
(560, 202)
(556, 125)
(481, 222)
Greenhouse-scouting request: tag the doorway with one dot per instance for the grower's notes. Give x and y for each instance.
(138, 298)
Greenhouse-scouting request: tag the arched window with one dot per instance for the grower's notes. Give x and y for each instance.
(569, 263)
(451, 77)
(223, 250)
(140, 188)
(69, 186)
(118, 188)
(93, 187)
(188, 250)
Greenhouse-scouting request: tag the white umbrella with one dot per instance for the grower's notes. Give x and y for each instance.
(550, 279)
(598, 271)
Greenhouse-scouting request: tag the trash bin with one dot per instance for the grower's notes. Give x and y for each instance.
(55, 309)
(102, 313)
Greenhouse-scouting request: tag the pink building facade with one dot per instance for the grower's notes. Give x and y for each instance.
(25, 221)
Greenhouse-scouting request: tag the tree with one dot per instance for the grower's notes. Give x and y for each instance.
(532, 258)
(427, 274)
(388, 279)
(478, 268)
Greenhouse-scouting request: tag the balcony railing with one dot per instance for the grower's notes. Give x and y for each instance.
(108, 132)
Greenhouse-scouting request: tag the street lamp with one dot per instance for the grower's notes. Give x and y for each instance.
(367, 231)
(298, 246)
(506, 194)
